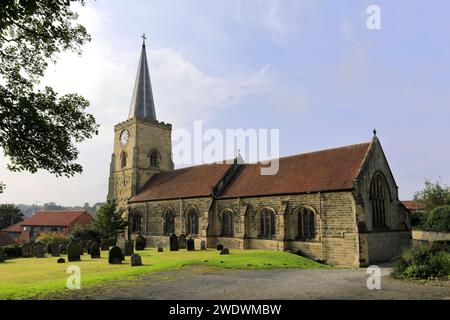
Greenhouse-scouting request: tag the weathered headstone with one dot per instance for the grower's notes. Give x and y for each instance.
(48, 248)
(63, 248)
(89, 244)
(129, 248)
(173, 242)
(121, 241)
(39, 251)
(190, 244)
(219, 247)
(2, 255)
(115, 255)
(182, 241)
(203, 245)
(141, 243)
(135, 260)
(61, 260)
(73, 252)
(95, 251)
(55, 249)
(225, 251)
(27, 250)
(159, 246)
(82, 245)
(104, 245)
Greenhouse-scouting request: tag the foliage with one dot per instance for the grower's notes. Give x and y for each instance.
(35, 278)
(438, 220)
(425, 261)
(418, 219)
(9, 215)
(433, 195)
(109, 221)
(85, 232)
(38, 128)
(50, 237)
(13, 251)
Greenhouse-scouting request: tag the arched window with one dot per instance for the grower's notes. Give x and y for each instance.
(227, 223)
(123, 159)
(379, 197)
(168, 222)
(306, 224)
(267, 223)
(154, 158)
(192, 222)
(136, 222)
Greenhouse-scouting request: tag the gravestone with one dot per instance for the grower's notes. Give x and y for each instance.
(2, 255)
(95, 251)
(129, 248)
(104, 245)
(135, 260)
(182, 241)
(48, 248)
(203, 245)
(225, 251)
(173, 242)
(121, 241)
(115, 255)
(55, 249)
(219, 247)
(61, 260)
(73, 252)
(27, 250)
(141, 243)
(159, 246)
(82, 245)
(190, 245)
(39, 251)
(63, 248)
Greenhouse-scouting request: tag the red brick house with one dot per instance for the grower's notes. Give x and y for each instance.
(61, 222)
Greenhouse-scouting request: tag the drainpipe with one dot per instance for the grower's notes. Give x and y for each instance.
(181, 214)
(321, 226)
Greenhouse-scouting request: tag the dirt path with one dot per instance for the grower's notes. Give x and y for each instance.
(201, 284)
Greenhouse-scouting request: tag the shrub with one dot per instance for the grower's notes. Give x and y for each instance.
(12, 251)
(438, 220)
(85, 233)
(47, 238)
(418, 219)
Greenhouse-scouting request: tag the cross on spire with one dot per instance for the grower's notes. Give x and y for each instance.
(143, 39)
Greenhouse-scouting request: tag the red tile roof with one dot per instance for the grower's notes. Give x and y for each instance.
(6, 240)
(327, 170)
(413, 205)
(63, 218)
(197, 181)
(15, 227)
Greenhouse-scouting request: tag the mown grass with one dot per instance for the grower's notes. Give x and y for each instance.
(34, 278)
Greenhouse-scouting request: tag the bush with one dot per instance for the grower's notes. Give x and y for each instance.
(12, 251)
(418, 219)
(46, 238)
(424, 262)
(85, 233)
(438, 220)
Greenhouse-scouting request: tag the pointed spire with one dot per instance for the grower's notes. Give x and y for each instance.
(142, 104)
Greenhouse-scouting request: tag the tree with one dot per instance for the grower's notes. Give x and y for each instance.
(85, 232)
(9, 215)
(433, 195)
(109, 221)
(38, 128)
(438, 220)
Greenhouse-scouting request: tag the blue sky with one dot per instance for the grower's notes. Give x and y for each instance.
(309, 68)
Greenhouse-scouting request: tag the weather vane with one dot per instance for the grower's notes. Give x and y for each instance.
(375, 132)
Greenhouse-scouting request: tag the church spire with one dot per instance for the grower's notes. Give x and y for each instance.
(142, 104)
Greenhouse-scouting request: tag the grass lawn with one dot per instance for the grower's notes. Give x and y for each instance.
(28, 278)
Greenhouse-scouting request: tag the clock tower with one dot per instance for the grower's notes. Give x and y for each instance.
(142, 144)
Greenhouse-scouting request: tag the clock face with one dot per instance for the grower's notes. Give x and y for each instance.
(124, 136)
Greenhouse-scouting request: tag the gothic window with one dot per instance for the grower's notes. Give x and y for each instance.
(192, 222)
(136, 222)
(123, 159)
(227, 223)
(154, 158)
(306, 224)
(379, 196)
(267, 223)
(168, 222)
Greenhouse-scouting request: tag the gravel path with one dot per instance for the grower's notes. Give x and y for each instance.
(199, 283)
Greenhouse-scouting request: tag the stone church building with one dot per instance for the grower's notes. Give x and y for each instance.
(339, 205)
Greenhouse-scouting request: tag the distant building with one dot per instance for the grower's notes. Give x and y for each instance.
(61, 222)
(413, 206)
(6, 239)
